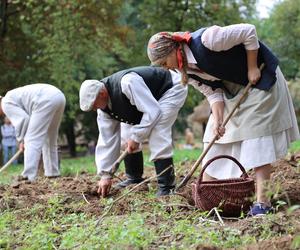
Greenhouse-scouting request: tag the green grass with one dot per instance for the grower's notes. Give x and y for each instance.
(295, 147)
(138, 229)
(7, 175)
(147, 224)
(75, 166)
(131, 231)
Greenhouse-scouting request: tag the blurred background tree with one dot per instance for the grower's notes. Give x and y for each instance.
(281, 31)
(65, 42)
(61, 43)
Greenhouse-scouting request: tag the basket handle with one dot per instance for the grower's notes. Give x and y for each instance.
(245, 175)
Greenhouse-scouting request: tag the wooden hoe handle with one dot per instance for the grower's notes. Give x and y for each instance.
(196, 164)
(117, 162)
(7, 164)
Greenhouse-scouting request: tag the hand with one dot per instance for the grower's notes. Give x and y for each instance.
(254, 75)
(218, 129)
(217, 112)
(22, 146)
(104, 186)
(132, 146)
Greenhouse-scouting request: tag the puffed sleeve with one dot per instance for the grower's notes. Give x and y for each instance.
(218, 38)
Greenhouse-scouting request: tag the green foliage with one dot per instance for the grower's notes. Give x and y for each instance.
(296, 242)
(292, 209)
(294, 87)
(282, 33)
(152, 16)
(295, 147)
(62, 43)
(279, 204)
(65, 42)
(190, 15)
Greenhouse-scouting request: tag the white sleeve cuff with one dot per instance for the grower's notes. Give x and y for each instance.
(138, 139)
(215, 97)
(105, 176)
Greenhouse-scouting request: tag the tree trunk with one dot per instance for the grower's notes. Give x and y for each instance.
(70, 133)
(3, 18)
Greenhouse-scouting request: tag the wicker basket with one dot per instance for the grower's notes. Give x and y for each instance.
(231, 196)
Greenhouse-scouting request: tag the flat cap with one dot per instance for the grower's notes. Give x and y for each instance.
(88, 93)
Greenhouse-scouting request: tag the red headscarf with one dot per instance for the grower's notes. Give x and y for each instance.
(162, 44)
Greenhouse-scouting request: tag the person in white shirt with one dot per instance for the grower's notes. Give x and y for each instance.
(9, 141)
(134, 105)
(219, 62)
(36, 111)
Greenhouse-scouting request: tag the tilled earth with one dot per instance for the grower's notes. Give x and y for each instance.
(78, 194)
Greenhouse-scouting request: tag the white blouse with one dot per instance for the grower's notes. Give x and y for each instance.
(218, 38)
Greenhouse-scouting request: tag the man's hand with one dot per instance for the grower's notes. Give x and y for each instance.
(104, 186)
(21, 146)
(217, 112)
(132, 146)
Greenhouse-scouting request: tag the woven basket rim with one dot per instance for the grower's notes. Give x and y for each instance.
(227, 181)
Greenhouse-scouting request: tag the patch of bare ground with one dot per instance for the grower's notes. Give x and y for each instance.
(79, 195)
(276, 243)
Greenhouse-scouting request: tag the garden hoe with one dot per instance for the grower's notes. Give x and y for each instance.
(196, 164)
(118, 162)
(11, 160)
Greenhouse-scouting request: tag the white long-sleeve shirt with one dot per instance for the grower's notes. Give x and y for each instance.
(18, 104)
(136, 90)
(218, 38)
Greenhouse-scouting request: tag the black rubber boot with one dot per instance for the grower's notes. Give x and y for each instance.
(166, 181)
(134, 168)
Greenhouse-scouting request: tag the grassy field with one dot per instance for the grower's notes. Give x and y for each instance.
(58, 214)
(73, 166)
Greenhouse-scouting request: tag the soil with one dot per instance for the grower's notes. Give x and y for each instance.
(82, 191)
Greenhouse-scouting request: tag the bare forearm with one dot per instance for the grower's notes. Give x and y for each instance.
(252, 59)
(253, 70)
(217, 112)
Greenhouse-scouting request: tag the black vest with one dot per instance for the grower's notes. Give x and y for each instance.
(158, 81)
(231, 65)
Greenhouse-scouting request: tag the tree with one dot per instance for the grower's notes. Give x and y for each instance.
(65, 42)
(152, 16)
(281, 31)
(62, 43)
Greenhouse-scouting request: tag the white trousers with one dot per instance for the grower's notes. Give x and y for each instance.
(41, 136)
(160, 139)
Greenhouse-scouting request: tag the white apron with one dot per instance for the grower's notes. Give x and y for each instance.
(259, 133)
